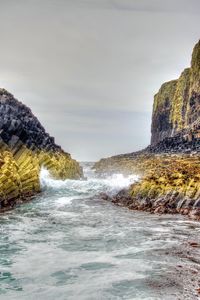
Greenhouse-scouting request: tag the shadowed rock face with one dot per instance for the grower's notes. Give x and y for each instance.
(25, 147)
(177, 104)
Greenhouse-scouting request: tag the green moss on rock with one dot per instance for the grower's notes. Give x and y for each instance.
(161, 122)
(180, 102)
(20, 171)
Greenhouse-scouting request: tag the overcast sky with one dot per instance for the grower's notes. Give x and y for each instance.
(88, 69)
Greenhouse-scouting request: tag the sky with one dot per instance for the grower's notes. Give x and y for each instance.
(89, 69)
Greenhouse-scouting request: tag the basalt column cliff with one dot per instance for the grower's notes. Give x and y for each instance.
(169, 168)
(176, 109)
(25, 147)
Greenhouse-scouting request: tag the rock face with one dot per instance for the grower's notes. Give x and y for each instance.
(176, 107)
(25, 147)
(161, 124)
(18, 123)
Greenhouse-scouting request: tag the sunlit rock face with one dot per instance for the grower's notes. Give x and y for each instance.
(161, 123)
(177, 105)
(25, 147)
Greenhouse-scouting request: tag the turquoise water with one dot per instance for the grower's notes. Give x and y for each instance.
(69, 244)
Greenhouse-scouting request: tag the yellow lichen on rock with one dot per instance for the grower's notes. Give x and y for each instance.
(60, 165)
(179, 102)
(19, 176)
(10, 184)
(195, 70)
(176, 105)
(167, 183)
(161, 123)
(20, 171)
(166, 173)
(25, 147)
(166, 92)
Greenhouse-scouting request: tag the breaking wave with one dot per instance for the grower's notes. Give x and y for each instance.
(92, 185)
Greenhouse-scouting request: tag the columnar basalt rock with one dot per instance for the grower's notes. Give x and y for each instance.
(170, 185)
(25, 148)
(177, 104)
(161, 123)
(167, 183)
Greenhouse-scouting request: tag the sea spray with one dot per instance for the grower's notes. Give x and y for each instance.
(111, 184)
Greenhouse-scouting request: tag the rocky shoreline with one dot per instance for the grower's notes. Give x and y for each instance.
(167, 185)
(25, 148)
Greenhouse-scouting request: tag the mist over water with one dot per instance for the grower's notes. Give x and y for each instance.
(69, 244)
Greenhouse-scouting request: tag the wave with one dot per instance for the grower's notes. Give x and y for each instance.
(93, 185)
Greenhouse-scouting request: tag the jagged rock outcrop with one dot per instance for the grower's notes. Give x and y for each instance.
(18, 123)
(176, 107)
(25, 147)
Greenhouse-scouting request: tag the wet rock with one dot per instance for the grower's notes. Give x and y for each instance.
(197, 204)
(105, 197)
(194, 244)
(194, 214)
(123, 194)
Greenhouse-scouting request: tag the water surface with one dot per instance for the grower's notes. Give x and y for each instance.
(69, 244)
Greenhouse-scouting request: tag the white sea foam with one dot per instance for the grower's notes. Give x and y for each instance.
(47, 181)
(109, 184)
(63, 201)
(120, 181)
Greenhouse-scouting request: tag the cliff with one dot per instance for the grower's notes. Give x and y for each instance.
(176, 108)
(25, 147)
(169, 168)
